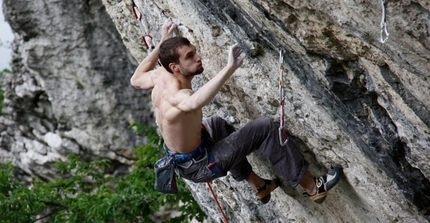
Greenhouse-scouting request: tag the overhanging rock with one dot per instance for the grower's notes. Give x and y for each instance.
(352, 100)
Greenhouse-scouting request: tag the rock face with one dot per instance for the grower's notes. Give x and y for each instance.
(351, 100)
(70, 89)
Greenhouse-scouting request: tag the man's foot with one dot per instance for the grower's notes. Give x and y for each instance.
(324, 184)
(263, 193)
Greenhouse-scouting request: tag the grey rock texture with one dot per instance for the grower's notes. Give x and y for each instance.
(351, 100)
(69, 91)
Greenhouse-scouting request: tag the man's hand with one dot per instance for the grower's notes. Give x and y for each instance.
(235, 56)
(167, 29)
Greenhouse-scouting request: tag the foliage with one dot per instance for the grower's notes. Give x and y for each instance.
(88, 195)
(4, 71)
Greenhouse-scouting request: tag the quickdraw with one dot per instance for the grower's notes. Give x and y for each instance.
(146, 37)
(283, 136)
(384, 29)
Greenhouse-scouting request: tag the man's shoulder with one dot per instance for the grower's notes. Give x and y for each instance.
(161, 70)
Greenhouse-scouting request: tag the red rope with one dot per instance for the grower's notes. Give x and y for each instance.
(216, 200)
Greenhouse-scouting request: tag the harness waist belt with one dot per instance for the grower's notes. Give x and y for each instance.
(182, 157)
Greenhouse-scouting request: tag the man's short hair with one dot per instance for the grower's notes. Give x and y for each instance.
(168, 52)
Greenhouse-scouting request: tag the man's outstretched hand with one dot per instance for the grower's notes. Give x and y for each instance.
(167, 29)
(235, 56)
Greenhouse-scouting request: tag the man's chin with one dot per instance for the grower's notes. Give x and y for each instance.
(199, 71)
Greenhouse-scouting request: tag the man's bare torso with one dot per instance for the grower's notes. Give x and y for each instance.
(180, 130)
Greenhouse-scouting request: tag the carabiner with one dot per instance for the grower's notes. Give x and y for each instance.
(384, 30)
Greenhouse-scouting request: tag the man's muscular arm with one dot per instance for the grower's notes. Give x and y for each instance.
(188, 101)
(143, 75)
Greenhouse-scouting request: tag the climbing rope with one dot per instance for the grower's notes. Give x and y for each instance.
(216, 200)
(282, 130)
(384, 29)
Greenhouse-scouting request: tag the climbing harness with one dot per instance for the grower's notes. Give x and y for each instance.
(283, 137)
(384, 29)
(216, 200)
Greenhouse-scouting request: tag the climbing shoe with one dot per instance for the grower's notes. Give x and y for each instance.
(324, 184)
(263, 193)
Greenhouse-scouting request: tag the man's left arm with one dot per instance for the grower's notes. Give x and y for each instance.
(187, 101)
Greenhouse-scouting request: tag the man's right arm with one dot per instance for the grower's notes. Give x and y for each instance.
(143, 75)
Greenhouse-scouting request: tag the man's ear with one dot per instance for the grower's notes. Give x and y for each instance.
(174, 67)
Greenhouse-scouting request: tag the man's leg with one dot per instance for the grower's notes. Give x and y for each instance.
(241, 170)
(308, 183)
(255, 181)
(262, 135)
(218, 129)
(290, 163)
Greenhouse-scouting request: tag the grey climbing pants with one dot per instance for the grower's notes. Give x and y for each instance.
(229, 148)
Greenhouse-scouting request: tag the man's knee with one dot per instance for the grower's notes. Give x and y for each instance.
(242, 171)
(266, 122)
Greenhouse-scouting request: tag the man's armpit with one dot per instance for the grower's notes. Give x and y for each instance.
(180, 99)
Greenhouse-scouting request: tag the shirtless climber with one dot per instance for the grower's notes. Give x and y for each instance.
(196, 143)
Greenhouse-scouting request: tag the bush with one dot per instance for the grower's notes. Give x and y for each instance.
(88, 195)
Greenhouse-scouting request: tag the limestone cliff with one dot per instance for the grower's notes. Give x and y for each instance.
(351, 100)
(70, 89)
